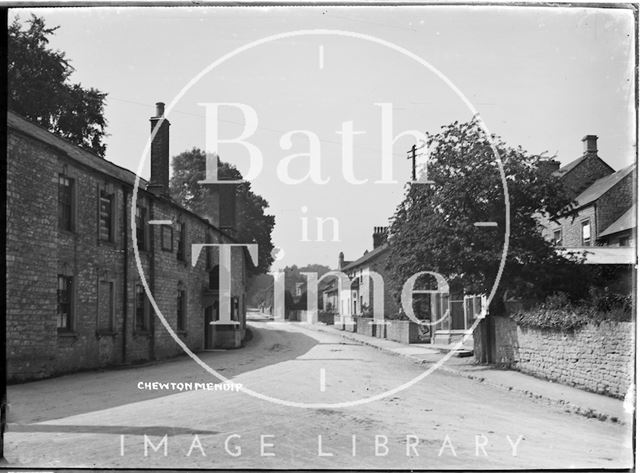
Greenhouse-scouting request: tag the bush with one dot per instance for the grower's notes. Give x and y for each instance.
(558, 313)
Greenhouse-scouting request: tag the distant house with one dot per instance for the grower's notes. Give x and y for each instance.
(357, 299)
(604, 214)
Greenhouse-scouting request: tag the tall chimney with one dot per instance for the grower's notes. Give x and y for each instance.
(379, 236)
(159, 181)
(590, 144)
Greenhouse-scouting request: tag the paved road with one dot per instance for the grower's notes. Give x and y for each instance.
(100, 419)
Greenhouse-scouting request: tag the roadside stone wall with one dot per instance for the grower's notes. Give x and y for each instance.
(596, 357)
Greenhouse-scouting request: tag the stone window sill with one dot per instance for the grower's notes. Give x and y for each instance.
(105, 333)
(67, 334)
(71, 233)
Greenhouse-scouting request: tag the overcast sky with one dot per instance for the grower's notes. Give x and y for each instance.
(541, 78)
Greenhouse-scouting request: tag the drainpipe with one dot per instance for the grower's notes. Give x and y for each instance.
(152, 284)
(125, 277)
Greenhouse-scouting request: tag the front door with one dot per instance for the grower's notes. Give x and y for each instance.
(210, 315)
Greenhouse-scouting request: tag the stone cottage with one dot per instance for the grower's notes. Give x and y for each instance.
(75, 298)
(604, 214)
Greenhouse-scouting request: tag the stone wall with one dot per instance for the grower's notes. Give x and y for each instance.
(596, 357)
(571, 227)
(585, 173)
(37, 251)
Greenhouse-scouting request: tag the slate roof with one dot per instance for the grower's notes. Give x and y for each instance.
(568, 167)
(366, 257)
(573, 164)
(626, 222)
(74, 152)
(602, 185)
(91, 160)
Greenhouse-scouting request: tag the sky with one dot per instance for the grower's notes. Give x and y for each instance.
(541, 78)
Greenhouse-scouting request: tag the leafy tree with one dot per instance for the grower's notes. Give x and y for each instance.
(433, 228)
(253, 225)
(261, 287)
(40, 90)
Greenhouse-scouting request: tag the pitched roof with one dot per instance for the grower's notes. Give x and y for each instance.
(73, 151)
(367, 257)
(602, 185)
(568, 167)
(625, 222)
(573, 164)
(91, 160)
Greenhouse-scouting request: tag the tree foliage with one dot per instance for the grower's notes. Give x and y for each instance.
(40, 90)
(433, 228)
(253, 224)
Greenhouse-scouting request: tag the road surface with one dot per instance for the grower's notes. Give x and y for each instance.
(103, 419)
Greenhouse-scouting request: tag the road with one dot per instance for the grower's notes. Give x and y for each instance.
(102, 419)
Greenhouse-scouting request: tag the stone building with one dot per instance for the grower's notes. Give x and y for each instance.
(358, 298)
(604, 213)
(75, 297)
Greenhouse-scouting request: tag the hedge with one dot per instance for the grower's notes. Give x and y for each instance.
(558, 313)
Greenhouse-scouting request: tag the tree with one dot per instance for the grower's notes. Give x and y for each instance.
(260, 291)
(253, 224)
(40, 90)
(433, 228)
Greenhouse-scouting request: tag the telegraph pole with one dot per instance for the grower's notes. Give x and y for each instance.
(411, 154)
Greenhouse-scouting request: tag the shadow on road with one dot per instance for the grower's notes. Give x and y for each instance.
(79, 393)
(157, 430)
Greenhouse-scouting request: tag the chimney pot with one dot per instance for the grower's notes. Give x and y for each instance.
(590, 144)
(379, 236)
(159, 109)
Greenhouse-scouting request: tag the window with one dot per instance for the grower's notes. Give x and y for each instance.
(141, 226)
(586, 233)
(65, 300)
(181, 255)
(181, 310)
(141, 309)
(167, 238)
(557, 237)
(105, 217)
(105, 306)
(214, 278)
(65, 203)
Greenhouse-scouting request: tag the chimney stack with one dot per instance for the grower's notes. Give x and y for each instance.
(159, 181)
(590, 144)
(379, 236)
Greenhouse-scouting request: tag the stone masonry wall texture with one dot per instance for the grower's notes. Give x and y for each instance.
(595, 357)
(37, 252)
